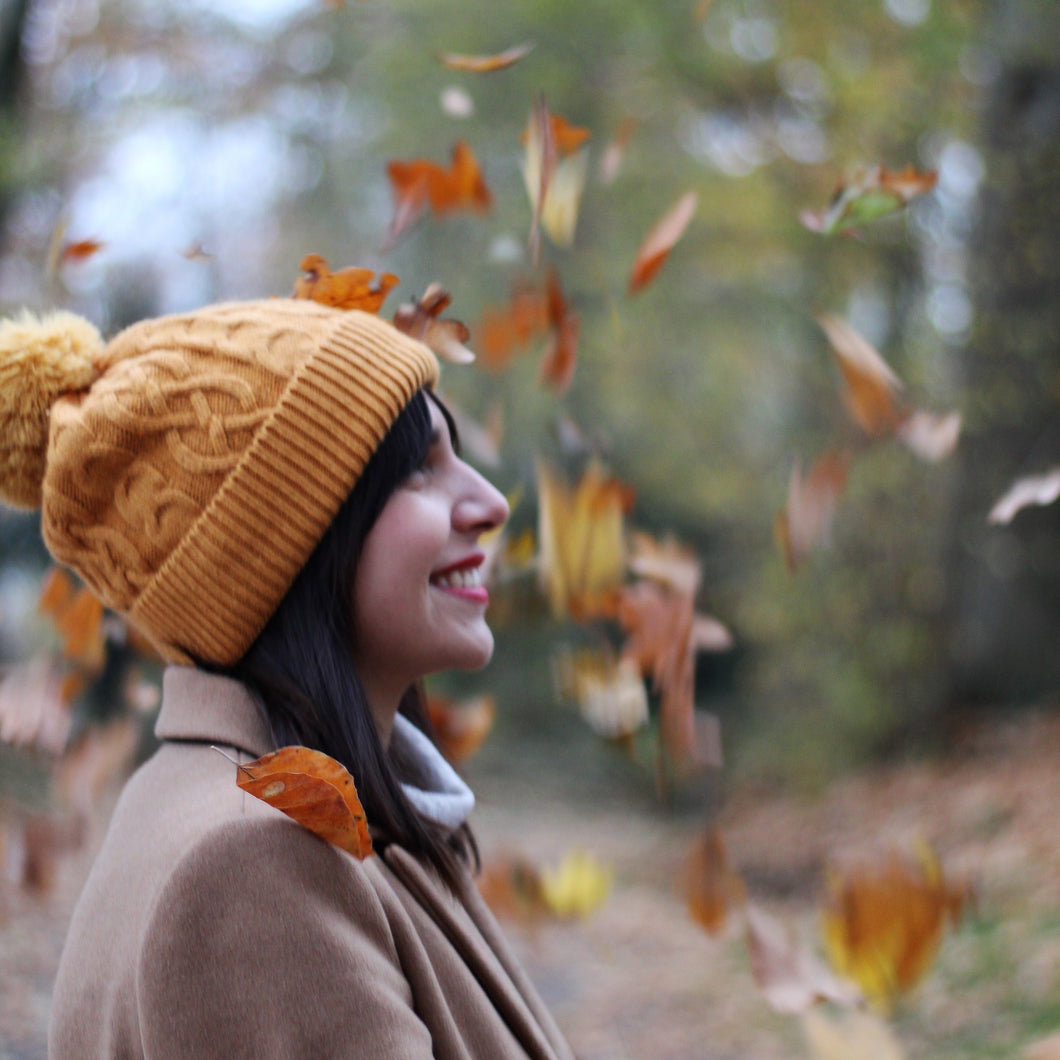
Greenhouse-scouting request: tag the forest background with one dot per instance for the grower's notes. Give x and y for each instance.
(157, 156)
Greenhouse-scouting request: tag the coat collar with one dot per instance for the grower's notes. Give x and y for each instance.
(209, 708)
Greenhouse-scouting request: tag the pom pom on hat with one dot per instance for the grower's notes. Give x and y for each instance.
(40, 360)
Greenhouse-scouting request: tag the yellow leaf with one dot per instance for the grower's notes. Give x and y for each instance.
(854, 1036)
(577, 886)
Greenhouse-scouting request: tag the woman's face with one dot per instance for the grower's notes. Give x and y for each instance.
(418, 602)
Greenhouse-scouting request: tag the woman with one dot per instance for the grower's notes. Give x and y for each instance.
(271, 493)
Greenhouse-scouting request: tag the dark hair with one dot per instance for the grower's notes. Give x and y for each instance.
(301, 665)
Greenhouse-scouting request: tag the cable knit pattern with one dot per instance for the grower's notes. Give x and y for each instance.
(189, 484)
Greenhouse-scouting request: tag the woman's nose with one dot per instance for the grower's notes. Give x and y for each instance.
(481, 508)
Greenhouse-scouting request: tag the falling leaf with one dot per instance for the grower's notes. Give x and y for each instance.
(486, 64)
(1032, 489)
(81, 627)
(806, 522)
(34, 712)
(660, 241)
(931, 437)
(870, 385)
(57, 590)
(663, 640)
(511, 886)
(420, 184)
(539, 167)
(556, 369)
(503, 329)
(615, 152)
(788, 973)
(577, 886)
(313, 789)
(851, 1036)
(872, 192)
(456, 102)
(711, 887)
(610, 692)
(349, 288)
(421, 320)
(667, 561)
(583, 555)
(82, 250)
(196, 253)
(461, 727)
(884, 923)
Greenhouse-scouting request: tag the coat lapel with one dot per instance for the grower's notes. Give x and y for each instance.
(484, 962)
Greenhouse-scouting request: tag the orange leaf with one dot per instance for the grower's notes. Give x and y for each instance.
(57, 590)
(557, 364)
(421, 321)
(313, 789)
(806, 523)
(82, 250)
(349, 288)
(502, 328)
(81, 626)
(884, 923)
(870, 387)
(610, 693)
(712, 888)
(421, 183)
(461, 727)
(660, 241)
(486, 64)
(511, 886)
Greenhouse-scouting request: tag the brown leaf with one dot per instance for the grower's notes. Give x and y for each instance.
(81, 627)
(870, 387)
(556, 369)
(82, 250)
(420, 183)
(313, 789)
(884, 922)
(511, 886)
(610, 692)
(1031, 489)
(711, 887)
(660, 241)
(486, 64)
(502, 329)
(349, 288)
(421, 321)
(806, 522)
(461, 727)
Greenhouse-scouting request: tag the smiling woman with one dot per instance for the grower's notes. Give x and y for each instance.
(272, 493)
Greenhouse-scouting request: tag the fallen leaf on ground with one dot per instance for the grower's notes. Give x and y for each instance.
(461, 727)
(486, 64)
(788, 973)
(577, 886)
(872, 192)
(658, 243)
(349, 288)
(313, 789)
(422, 320)
(1030, 490)
(711, 887)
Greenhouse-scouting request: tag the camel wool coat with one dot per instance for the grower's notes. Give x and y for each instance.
(212, 925)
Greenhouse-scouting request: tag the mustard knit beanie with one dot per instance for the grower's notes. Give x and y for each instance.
(187, 469)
